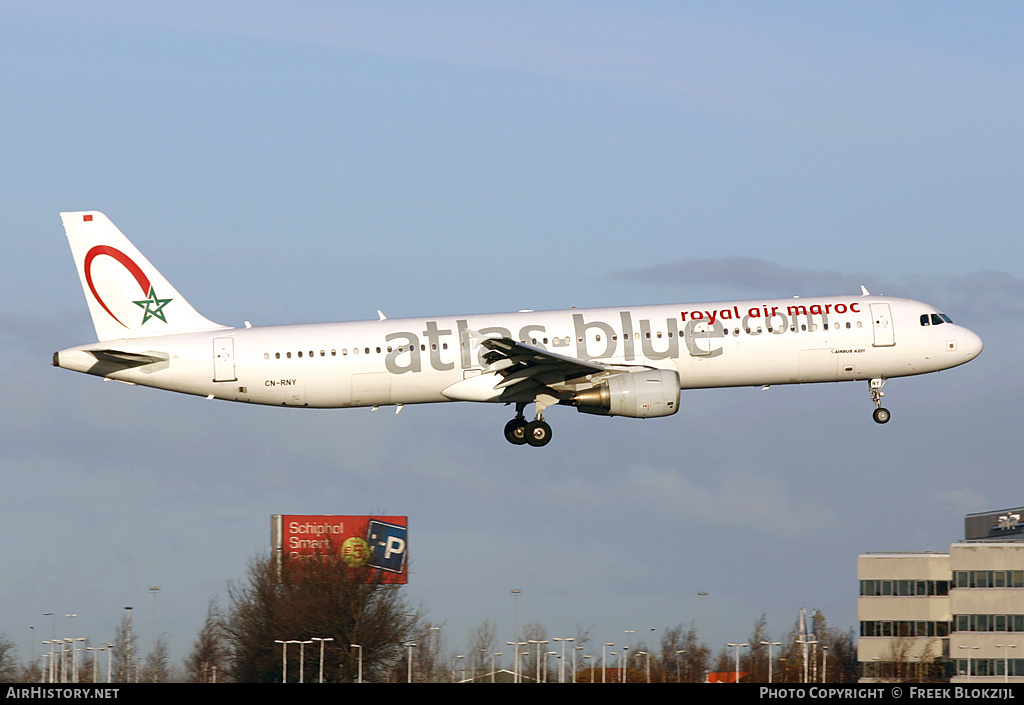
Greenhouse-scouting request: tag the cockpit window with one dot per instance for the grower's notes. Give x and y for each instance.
(934, 319)
(925, 321)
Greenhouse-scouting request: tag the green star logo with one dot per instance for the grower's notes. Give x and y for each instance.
(152, 307)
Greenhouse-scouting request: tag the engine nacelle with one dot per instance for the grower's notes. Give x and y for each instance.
(640, 395)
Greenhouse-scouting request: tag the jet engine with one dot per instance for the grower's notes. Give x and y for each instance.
(640, 395)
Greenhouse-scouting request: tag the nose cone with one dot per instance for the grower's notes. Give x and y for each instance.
(970, 345)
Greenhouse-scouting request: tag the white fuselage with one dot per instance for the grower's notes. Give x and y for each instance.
(414, 361)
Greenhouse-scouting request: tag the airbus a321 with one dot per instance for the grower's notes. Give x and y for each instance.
(626, 361)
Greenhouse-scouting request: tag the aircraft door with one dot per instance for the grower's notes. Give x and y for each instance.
(881, 325)
(224, 360)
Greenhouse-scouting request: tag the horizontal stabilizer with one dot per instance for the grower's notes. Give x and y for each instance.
(127, 359)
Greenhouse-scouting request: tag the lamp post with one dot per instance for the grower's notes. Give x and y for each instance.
(702, 595)
(648, 655)
(284, 659)
(515, 613)
(625, 655)
(302, 658)
(1006, 660)
(359, 679)
(969, 660)
(539, 643)
(604, 660)
(738, 647)
(516, 661)
(410, 645)
(322, 640)
(561, 666)
(771, 657)
(128, 651)
(153, 590)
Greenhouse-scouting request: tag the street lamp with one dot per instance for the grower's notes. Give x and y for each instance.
(648, 655)
(516, 676)
(969, 660)
(539, 643)
(561, 666)
(128, 651)
(1006, 660)
(496, 653)
(738, 647)
(322, 640)
(515, 613)
(604, 660)
(770, 645)
(284, 659)
(410, 645)
(360, 661)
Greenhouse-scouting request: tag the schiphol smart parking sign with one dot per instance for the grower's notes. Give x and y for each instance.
(375, 543)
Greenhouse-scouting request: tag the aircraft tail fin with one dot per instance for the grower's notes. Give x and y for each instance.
(127, 296)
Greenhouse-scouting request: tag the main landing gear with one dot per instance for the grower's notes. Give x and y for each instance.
(519, 431)
(880, 414)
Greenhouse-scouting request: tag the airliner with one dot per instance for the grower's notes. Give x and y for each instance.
(631, 361)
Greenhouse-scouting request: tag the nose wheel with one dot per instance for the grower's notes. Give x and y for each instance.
(880, 414)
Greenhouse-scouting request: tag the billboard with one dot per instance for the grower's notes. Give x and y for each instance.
(374, 543)
(1005, 525)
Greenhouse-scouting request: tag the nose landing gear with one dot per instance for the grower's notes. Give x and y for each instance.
(880, 414)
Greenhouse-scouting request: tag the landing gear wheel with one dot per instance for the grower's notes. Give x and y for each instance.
(880, 415)
(515, 431)
(538, 433)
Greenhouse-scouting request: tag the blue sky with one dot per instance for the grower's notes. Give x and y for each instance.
(324, 161)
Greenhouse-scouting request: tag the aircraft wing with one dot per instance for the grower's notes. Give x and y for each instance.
(524, 369)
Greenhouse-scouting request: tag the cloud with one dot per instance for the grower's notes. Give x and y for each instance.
(738, 498)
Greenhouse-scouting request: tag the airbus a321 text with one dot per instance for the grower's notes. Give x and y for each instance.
(627, 361)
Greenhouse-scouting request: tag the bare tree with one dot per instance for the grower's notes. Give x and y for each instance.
(122, 653)
(483, 641)
(754, 660)
(208, 660)
(684, 657)
(156, 669)
(316, 598)
(8, 660)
